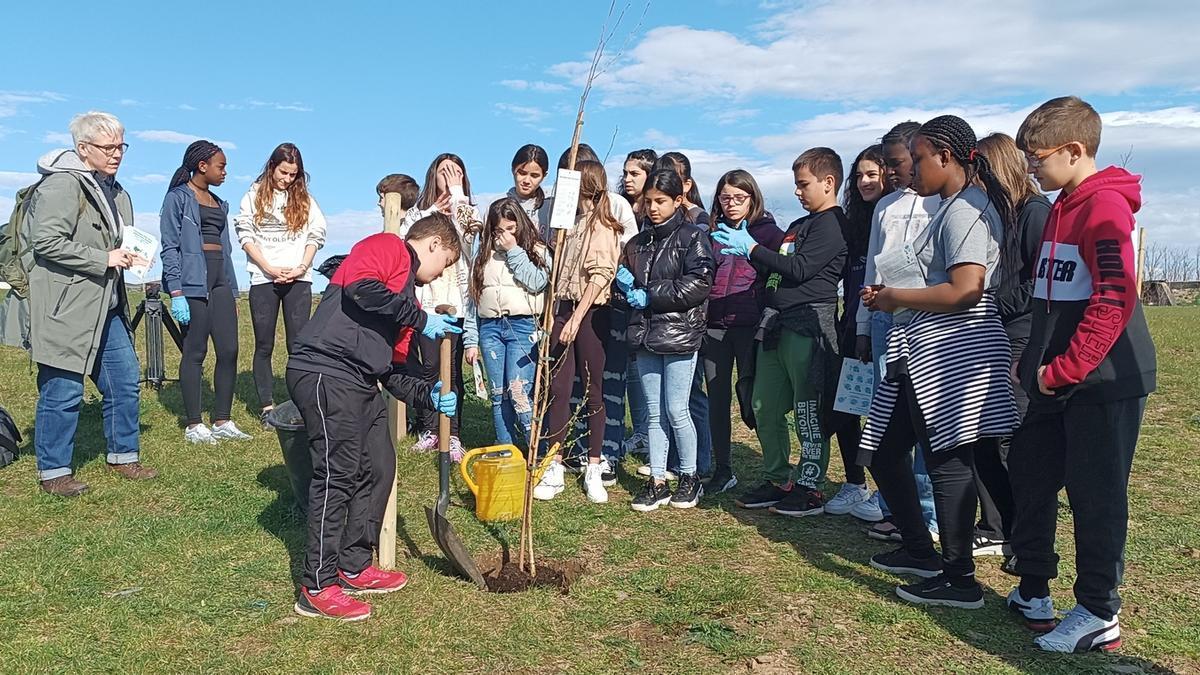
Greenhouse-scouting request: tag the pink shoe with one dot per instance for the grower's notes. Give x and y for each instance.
(426, 442)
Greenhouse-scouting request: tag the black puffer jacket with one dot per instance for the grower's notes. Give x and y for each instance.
(674, 263)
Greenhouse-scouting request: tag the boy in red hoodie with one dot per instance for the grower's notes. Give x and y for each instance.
(357, 340)
(1089, 367)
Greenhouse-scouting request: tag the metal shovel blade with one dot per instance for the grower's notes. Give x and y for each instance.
(453, 547)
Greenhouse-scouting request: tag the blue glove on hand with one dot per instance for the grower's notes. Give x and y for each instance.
(180, 310)
(735, 242)
(446, 405)
(624, 279)
(638, 298)
(437, 325)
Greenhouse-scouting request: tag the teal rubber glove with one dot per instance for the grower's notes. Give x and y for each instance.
(624, 279)
(446, 405)
(437, 325)
(180, 310)
(734, 241)
(638, 298)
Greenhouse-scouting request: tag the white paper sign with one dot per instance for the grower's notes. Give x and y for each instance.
(480, 388)
(856, 385)
(566, 200)
(142, 244)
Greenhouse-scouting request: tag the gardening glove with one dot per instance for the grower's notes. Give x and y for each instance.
(437, 325)
(735, 242)
(624, 279)
(638, 298)
(447, 404)
(180, 310)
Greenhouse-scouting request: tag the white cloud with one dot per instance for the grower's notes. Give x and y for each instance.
(15, 180)
(129, 102)
(728, 116)
(228, 106)
(58, 138)
(537, 85)
(184, 106)
(528, 115)
(659, 139)
(942, 50)
(11, 102)
(294, 106)
(1170, 218)
(150, 178)
(177, 137)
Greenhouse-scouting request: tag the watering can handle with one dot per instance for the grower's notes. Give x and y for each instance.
(463, 465)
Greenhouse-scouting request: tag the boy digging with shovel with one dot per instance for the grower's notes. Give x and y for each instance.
(357, 340)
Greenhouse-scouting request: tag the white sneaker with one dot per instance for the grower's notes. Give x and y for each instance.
(1038, 612)
(644, 470)
(229, 432)
(868, 510)
(637, 444)
(552, 482)
(426, 442)
(847, 498)
(199, 434)
(1081, 631)
(593, 484)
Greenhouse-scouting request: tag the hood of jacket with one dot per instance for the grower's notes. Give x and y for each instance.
(1127, 186)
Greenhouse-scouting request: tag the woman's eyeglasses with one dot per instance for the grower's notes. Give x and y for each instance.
(733, 200)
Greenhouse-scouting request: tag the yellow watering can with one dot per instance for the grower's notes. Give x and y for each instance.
(496, 475)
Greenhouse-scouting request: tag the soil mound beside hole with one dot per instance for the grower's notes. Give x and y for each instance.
(503, 576)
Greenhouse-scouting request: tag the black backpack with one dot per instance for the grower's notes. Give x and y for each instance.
(10, 439)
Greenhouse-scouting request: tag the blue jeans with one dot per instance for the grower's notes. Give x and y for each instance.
(666, 379)
(698, 407)
(507, 349)
(60, 397)
(880, 323)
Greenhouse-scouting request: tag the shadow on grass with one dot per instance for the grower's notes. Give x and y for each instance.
(89, 442)
(821, 541)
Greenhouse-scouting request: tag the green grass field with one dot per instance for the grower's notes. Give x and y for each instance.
(195, 571)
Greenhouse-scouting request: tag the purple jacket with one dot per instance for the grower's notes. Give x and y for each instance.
(737, 292)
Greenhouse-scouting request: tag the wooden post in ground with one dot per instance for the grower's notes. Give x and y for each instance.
(1141, 259)
(393, 216)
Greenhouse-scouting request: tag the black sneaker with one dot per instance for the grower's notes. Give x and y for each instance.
(801, 502)
(761, 497)
(688, 493)
(985, 545)
(575, 463)
(652, 496)
(721, 481)
(608, 472)
(940, 592)
(900, 562)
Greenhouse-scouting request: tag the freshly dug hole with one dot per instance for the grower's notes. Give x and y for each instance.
(503, 576)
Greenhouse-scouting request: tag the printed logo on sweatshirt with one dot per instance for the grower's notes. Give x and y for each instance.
(1066, 274)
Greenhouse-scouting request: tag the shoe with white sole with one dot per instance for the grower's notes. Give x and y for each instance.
(939, 591)
(199, 434)
(847, 498)
(608, 473)
(426, 442)
(228, 431)
(552, 482)
(1081, 631)
(1038, 612)
(868, 510)
(985, 545)
(593, 483)
(644, 470)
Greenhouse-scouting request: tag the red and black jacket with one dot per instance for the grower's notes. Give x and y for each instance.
(1088, 327)
(363, 326)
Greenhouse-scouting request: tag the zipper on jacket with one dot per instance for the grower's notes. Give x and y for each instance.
(61, 297)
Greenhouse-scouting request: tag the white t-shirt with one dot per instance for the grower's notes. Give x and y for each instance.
(280, 247)
(899, 218)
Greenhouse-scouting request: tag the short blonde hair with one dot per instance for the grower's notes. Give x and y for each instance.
(1067, 119)
(85, 127)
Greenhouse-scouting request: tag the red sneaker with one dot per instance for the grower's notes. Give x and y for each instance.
(331, 603)
(373, 580)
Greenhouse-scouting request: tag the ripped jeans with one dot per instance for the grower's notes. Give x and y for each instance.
(507, 349)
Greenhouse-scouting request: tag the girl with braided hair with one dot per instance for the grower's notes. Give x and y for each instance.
(947, 383)
(198, 273)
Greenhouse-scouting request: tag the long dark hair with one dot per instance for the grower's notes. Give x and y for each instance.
(429, 193)
(683, 167)
(296, 211)
(953, 134)
(859, 210)
(742, 180)
(645, 159)
(668, 182)
(198, 151)
(527, 237)
(537, 155)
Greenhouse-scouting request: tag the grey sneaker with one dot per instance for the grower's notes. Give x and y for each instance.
(200, 435)
(229, 432)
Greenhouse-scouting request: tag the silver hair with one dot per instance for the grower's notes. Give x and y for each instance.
(86, 126)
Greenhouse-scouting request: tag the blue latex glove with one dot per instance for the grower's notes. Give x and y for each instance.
(734, 242)
(624, 279)
(446, 405)
(638, 298)
(180, 310)
(437, 325)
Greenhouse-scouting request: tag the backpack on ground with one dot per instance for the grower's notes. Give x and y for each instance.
(10, 439)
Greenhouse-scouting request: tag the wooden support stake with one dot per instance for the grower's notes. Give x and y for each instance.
(1141, 259)
(393, 217)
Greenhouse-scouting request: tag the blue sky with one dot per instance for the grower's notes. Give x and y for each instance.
(367, 89)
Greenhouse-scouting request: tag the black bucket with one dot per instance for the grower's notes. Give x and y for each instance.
(293, 440)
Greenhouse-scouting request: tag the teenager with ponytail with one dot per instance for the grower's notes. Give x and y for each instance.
(197, 261)
(281, 228)
(942, 290)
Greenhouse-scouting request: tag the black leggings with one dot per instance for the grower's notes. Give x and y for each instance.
(427, 367)
(722, 349)
(848, 430)
(583, 357)
(265, 301)
(215, 316)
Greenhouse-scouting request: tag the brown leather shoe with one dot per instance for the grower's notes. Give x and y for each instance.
(134, 471)
(65, 486)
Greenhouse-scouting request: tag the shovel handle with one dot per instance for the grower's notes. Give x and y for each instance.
(444, 366)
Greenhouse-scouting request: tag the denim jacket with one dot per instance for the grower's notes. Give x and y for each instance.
(183, 266)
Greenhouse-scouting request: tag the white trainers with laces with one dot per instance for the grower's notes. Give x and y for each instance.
(847, 498)
(228, 431)
(1038, 612)
(552, 482)
(593, 483)
(199, 434)
(1081, 631)
(868, 510)
(426, 442)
